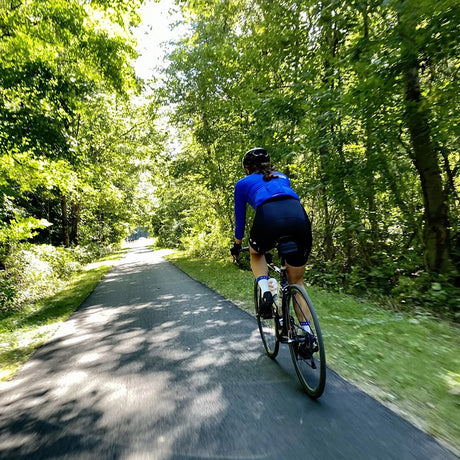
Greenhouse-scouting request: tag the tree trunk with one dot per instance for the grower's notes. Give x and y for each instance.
(436, 221)
(328, 240)
(75, 219)
(65, 221)
(370, 190)
(369, 114)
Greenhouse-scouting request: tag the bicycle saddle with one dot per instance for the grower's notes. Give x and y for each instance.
(286, 246)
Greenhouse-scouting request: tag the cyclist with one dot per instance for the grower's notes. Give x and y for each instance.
(279, 213)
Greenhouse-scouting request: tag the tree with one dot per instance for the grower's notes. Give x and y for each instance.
(356, 102)
(425, 158)
(56, 58)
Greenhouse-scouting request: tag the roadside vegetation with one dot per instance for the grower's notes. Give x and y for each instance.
(407, 360)
(78, 144)
(357, 104)
(28, 326)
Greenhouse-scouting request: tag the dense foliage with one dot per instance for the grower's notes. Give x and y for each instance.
(76, 138)
(357, 102)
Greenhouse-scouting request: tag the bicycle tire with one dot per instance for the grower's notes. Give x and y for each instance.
(309, 359)
(267, 327)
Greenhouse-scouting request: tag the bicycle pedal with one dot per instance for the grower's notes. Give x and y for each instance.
(285, 339)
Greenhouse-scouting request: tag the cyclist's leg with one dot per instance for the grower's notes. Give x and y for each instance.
(295, 263)
(258, 263)
(259, 244)
(295, 276)
(260, 240)
(260, 271)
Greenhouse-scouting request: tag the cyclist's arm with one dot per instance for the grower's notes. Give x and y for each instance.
(240, 212)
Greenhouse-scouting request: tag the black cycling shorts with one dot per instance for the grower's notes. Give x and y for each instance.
(282, 217)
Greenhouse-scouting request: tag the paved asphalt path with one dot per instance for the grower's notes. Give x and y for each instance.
(154, 365)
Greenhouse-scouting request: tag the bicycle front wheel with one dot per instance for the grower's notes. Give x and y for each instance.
(267, 327)
(307, 349)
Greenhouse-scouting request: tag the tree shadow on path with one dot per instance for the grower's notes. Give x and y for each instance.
(155, 365)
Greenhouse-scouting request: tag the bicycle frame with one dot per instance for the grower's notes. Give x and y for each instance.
(306, 347)
(284, 336)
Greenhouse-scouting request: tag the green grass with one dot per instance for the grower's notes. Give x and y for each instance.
(23, 331)
(410, 363)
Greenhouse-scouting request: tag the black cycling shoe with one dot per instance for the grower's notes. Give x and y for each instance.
(306, 349)
(303, 351)
(266, 305)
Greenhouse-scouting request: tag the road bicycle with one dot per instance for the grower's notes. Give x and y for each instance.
(292, 306)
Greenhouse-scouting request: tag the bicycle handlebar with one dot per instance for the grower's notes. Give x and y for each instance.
(235, 258)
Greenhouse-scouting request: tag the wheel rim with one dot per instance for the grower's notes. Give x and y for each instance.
(307, 355)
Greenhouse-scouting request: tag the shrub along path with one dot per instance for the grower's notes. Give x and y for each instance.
(156, 365)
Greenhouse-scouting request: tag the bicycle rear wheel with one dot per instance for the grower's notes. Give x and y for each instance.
(267, 327)
(307, 350)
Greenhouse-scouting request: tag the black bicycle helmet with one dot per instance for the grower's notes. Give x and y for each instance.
(255, 156)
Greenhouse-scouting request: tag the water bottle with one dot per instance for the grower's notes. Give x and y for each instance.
(273, 286)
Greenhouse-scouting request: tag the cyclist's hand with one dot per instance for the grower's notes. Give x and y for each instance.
(235, 251)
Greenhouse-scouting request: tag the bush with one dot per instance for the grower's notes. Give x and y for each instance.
(91, 252)
(33, 271)
(8, 291)
(418, 290)
(36, 271)
(429, 291)
(208, 240)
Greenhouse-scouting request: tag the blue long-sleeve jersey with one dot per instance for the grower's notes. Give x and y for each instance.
(254, 190)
